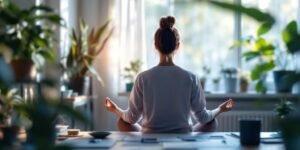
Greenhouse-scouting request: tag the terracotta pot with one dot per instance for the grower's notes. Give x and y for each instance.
(244, 87)
(24, 70)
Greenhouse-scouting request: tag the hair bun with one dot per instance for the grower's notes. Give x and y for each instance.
(167, 22)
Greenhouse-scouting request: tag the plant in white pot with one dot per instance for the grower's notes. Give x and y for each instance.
(131, 72)
(230, 79)
(27, 37)
(216, 83)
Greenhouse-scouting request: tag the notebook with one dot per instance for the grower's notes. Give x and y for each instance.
(263, 135)
(89, 143)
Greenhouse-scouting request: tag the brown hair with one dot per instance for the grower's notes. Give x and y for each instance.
(166, 36)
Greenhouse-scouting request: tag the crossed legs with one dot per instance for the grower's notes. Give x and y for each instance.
(208, 127)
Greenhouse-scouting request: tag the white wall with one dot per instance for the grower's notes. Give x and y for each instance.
(96, 13)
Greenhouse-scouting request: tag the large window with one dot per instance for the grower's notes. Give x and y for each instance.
(204, 39)
(207, 32)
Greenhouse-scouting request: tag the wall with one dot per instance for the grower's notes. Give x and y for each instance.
(96, 13)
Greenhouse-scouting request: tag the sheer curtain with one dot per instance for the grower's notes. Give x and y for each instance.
(130, 34)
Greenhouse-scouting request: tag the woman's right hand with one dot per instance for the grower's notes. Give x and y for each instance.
(110, 105)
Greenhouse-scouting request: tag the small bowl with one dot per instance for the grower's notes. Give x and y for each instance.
(99, 134)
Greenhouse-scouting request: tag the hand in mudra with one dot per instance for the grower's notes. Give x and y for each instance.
(226, 106)
(110, 105)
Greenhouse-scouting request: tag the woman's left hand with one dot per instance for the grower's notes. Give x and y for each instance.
(226, 106)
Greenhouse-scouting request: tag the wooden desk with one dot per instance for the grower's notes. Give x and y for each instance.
(132, 140)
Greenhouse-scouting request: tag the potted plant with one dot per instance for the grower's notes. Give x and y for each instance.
(261, 52)
(85, 47)
(8, 100)
(206, 72)
(230, 79)
(284, 108)
(291, 39)
(244, 82)
(29, 35)
(216, 83)
(131, 72)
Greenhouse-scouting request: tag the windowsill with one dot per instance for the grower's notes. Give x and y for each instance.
(250, 95)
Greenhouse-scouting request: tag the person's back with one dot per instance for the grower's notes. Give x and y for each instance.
(164, 96)
(167, 99)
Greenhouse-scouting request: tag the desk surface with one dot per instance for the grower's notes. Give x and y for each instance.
(216, 140)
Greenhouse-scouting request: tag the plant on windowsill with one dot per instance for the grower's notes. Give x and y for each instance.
(85, 47)
(206, 71)
(291, 39)
(261, 52)
(230, 79)
(216, 83)
(244, 82)
(26, 37)
(131, 72)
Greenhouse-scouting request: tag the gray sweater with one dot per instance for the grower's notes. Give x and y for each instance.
(164, 97)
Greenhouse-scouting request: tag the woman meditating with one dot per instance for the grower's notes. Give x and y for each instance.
(164, 96)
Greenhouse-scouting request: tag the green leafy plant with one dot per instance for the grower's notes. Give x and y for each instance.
(262, 17)
(262, 52)
(43, 113)
(206, 71)
(216, 80)
(85, 47)
(284, 108)
(291, 38)
(8, 99)
(229, 72)
(132, 71)
(28, 32)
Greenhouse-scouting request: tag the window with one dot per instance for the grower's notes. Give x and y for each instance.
(205, 40)
(207, 32)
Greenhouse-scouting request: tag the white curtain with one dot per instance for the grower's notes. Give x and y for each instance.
(127, 44)
(130, 34)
